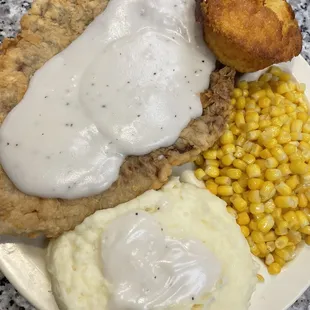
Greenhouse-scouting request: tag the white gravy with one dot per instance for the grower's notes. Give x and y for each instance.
(128, 85)
(149, 270)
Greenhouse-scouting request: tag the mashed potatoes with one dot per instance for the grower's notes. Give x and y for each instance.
(184, 212)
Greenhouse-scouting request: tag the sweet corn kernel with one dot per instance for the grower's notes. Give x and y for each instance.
(267, 191)
(292, 181)
(273, 174)
(243, 218)
(299, 167)
(239, 164)
(265, 224)
(262, 249)
(227, 160)
(253, 170)
(270, 143)
(239, 119)
(199, 160)
(307, 240)
(237, 188)
(234, 173)
(296, 125)
(212, 187)
(285, 169)
(199, 173)
(219, 154)
(283, 189)
(243, 85)
(259, 94)
(212, 171)
(243, 181)
(281, 242)
(240, 103)
(245, 231)
(255, 150)
(286, 201)
(278, 153)
(269, 206)
(290, 149)
(294, 236)
(269, 259)
(228, 148)
(253, 135)
(265, 154)
(255, 183)
(225, 190)
(247, 146)
(239, 153)
(274, 269)
(257, 208)
(239, 203)
(302, 218)
(283, 137)
(237, 92)
(260, 278)
(209, 154)
(227, 137)
(305, 230)
(254, 250)
(270, 236)
(223, 180)
(271, 162)
(279, 260)
(254, 196)
(232, 212)
(291, 218)
(270, 246)
(248, 158)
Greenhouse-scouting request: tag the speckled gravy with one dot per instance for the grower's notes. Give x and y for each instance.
(128, 85)
(149, 270)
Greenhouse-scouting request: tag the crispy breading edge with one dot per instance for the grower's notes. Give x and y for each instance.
(47, 29)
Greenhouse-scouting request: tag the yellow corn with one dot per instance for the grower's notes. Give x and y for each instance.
(265, 224)
(285, 169)
(270, 246)
(281, 242)
(260, 278)
(286, 201)
(307, 240)
(245, 231)
(225, 190)
(243, 84)
(271, 162)
(269, 259)
(255, 183)
(291, 218)
(239, 164)
(199, 173)
(273, 174)
(234, 174)
(302, 218)
(212, 187)
(237, 188)
(296, 125)
(243, 218)
(274, 268)
(209, 154)
(262, 249)
(248, 158)
(267, 191)
(227, 137)
(292, 181)
(232, 212)
(305, 230)
(227, 160)
(228, 148)
(240, 103)
(212, 171)
(283, 189)
(254, 196)
(223, 180)
(270, 236)
(239, 203)
(269, 206)
(257, 208)
(239, 153)
(279, 153)
(253, 171)
(294, 236)
(299, 167)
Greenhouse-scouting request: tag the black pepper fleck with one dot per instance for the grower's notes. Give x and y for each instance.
(155, 277)
(92, 84)
(107, 85)
(193, 298)
(202, 61)
(162, 229)
(138, 115)
(103, 106)
(154, 73)
(175, 116)
(190, 108)
(8, 143)
(136, 213)
(42, 134)
(128, 82)
(68, 103)
(161, 128)
(158, 208)
(45, 97)
(71, 125)
(16, 144)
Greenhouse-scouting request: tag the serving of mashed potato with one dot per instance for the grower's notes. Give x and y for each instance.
(75, 262)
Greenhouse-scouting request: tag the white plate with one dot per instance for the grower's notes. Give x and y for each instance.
(22, 260)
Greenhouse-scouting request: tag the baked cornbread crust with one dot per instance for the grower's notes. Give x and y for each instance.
(250, 35)
(47, 29)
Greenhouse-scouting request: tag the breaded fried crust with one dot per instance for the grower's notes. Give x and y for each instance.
(47, 29)
(250, 35)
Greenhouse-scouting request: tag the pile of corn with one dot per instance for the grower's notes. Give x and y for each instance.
(261, 166)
